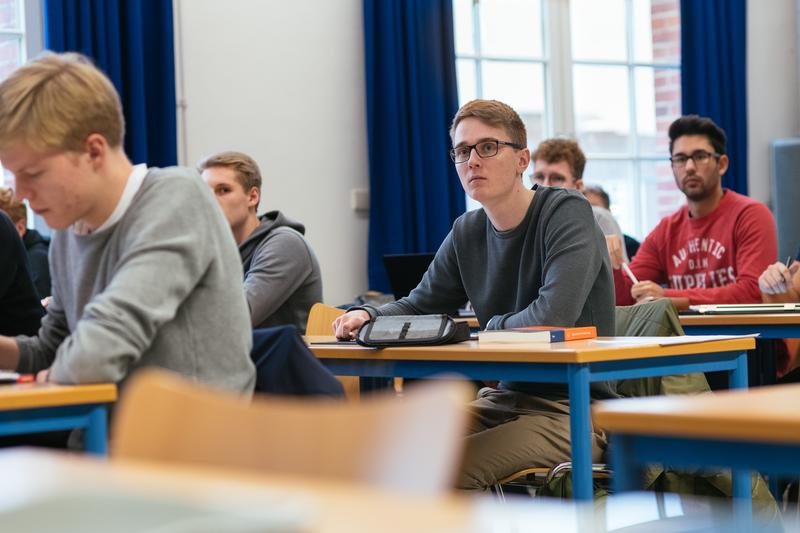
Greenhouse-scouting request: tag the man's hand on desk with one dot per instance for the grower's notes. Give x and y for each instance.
(646, 291)
(43, 376)
(346, 326)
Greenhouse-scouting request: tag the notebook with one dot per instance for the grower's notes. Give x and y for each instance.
(743, 309)
(405, 271)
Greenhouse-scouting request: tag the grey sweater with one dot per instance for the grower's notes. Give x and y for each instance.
(551, 270)
(161, 287)
(282, 279)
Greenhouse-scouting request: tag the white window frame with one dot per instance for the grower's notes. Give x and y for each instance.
(557, 62)
(31, 33)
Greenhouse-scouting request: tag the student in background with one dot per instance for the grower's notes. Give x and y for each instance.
(282, 278)
(780, 283)
(560, 163)
(527, 258)
(713, 249)
(598, 197)
(144, 267)
(20, 310)
(36, 246)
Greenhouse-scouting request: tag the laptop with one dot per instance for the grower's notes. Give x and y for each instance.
(405, 271)
(744, 309)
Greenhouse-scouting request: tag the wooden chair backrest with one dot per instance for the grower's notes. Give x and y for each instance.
(320, 320)
(411, 443)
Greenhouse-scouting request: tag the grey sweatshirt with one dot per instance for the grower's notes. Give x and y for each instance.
(282, 278)
(551, 270)
(161, 287)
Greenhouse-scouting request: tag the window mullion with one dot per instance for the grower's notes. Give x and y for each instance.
(559, 63)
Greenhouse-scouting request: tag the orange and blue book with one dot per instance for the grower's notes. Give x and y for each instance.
(536, 334)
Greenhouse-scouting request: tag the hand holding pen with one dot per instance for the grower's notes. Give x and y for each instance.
(643, 291)
(777, 278)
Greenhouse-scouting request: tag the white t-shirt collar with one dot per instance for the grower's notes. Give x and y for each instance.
(132, 186)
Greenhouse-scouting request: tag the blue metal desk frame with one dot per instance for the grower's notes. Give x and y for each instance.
(577, 376)
(92, 417)
(630, 453)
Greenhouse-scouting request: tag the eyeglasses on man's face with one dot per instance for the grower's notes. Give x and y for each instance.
(700, 157)
(553, 179)
(484, 149)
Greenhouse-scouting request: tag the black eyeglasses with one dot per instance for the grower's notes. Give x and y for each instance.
(484, 149)
(700, 157)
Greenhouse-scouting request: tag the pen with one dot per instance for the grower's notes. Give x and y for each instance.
(789, 261)
(629, 273)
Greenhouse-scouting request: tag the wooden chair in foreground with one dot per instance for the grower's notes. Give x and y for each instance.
(411, 443)
(320, 318)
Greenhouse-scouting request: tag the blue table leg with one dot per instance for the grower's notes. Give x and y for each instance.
(742, 491)
(738, 377)
(742, 499)
(580, 432)
(627, 471)
(96, 434)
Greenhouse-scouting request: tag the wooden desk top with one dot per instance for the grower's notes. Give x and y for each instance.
(32, 395)
(764, 414)
(583, 351)
(729, 320)
(331, 506)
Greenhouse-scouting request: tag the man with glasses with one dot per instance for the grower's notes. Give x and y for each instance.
(527, 258)
(560, 163)
(714, 248)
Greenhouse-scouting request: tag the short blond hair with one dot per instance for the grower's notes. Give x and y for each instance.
(56, 101)
(493, 113)
(12, 206)
(244, 168)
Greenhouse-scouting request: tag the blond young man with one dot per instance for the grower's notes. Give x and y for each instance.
(142, 260)
(526, 258)
(282, 278)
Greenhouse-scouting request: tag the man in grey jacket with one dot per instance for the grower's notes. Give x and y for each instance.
(282, 278)
(143, 271)
(527, 258)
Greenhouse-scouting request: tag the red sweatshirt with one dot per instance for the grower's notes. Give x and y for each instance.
(712, 259)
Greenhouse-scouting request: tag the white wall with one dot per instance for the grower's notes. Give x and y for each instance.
(284, 82)
(773, 86)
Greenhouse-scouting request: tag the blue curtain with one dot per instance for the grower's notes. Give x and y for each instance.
(714, 74)
(132, 42)
(412, 96)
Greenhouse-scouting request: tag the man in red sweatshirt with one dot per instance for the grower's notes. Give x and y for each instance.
(713, 249)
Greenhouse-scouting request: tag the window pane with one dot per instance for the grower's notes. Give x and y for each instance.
(658, 103)
(598, 30)
(462, 22)
(9, 15)
(467, 85)
(520, 85)
(10, 54)
(616, 177)
(511, 28)
(658, 194)
(657, 31)
(602, 115)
